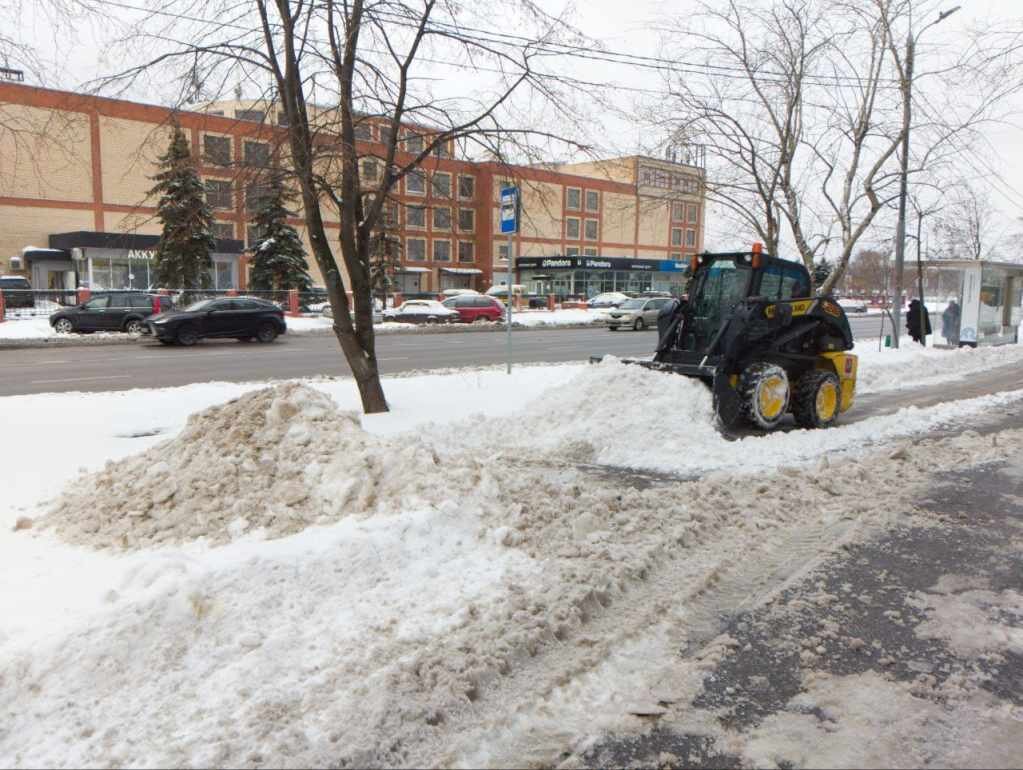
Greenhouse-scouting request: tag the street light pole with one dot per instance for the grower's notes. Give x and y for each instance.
(900, 230)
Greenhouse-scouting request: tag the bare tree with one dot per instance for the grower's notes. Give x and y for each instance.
(805, 106)
(968, 229)
(370, 61)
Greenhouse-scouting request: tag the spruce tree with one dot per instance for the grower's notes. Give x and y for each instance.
(182, 258)
(278, 260)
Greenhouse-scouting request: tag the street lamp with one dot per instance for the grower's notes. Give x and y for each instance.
(900, 232)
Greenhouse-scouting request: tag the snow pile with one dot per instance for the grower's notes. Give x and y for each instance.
(276, 460)
(914, 366)
(557, 317)
(975, 621)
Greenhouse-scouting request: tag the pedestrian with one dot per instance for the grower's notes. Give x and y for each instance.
(950, 323)
(917, 330)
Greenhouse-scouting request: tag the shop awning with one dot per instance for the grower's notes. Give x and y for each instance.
(462, 270)
(412, 270)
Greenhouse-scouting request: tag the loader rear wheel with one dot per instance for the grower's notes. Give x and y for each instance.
(764, 389)
(817, 399)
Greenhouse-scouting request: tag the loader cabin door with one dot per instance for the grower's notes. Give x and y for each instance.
(721, 286)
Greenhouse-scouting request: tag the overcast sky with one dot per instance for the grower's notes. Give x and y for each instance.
(81, 51)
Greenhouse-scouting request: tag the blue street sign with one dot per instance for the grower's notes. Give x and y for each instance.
(509, 209)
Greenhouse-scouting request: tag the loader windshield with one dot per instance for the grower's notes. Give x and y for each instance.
(721, 286)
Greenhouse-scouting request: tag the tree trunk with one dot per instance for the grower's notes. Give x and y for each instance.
(366, 373)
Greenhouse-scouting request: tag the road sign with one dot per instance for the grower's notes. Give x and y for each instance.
(509, 209)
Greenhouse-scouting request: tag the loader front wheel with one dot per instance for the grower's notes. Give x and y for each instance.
(764, 389)
(817, 398)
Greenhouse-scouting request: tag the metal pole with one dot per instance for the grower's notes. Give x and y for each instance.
(920, 277)
(509, 308)
(900, 231)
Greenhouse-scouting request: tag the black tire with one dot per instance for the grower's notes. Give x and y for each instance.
(431, 320)
(765, 392)
(817, 399)
(612, 328)
(165, 342)
(134, 326)
(187, 335)
(266, 333)
(245, 339)
(638, 325)
(63, 326)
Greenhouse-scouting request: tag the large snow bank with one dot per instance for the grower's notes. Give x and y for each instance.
(912, 365)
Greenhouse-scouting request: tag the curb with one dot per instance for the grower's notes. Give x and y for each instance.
(87, 341)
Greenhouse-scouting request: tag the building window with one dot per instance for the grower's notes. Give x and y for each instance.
(217, 150)
(216, 113)
(415, 216)
(389, 216)
(571, 227)
(282, 118)
(415, 249)
(255, 194)
(690, 239)
(502, 252)
(676, 236)
(257, 154)
(218, 194)
(592, 229)
(467, 187)
(589, 252)
(466, 220)
(592, 200)
(413, 143)
(675, 255)
(466, 251)
(572, 251)
(441, 150)
(441, 251)
(369, 169)
(694, 213)
(256, 116)
(363, 132)
(678, 211)
(415, 182)
(223, 230)
(442, 218)
(252, 236)
(441, 184)
(573, 198)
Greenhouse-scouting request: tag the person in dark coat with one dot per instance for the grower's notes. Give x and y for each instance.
(950, 323)
(913, 321)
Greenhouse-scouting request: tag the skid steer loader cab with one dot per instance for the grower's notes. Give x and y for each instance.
(754, 333)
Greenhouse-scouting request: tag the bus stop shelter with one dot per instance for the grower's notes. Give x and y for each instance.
(989, 296)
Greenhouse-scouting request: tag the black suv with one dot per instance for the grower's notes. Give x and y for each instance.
(17, 291)
(243, 318)
(121, 312)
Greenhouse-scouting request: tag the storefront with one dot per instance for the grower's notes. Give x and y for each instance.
(458, 277)
(410, 280)
(117, 261)
(988, 299)
(585, 277)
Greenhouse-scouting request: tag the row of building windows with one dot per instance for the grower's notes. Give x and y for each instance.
(689, 239)
(657, 177)
(574, 199)
(574, 228)
(440, 250)
(685, 212)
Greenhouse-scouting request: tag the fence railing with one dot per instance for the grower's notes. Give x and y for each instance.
(25, 303)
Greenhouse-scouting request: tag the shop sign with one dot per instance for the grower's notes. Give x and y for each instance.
(588, 263)
(140, 254)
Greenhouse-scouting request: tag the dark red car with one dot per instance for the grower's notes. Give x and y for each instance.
(475, 307)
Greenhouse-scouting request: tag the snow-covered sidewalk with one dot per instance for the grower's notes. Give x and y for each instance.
(278, 582)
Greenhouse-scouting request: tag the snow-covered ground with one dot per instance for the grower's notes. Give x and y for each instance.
(274, 627)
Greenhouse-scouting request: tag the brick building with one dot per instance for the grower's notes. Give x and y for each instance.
(75, 172)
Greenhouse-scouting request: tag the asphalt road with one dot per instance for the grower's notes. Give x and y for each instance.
(148, 364)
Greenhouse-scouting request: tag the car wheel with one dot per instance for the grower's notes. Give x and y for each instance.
(134, 326)
(63, 326)
(638, 325)
(245, 339)
(267, 333)
(187, 335)
(165, 342)
(431, 320)
(612, 328)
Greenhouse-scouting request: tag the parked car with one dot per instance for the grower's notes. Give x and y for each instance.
(637, 314)
(378, 315)
(476, 307)
(607, 299)
(17, 291)
(458, 292)
(121, 312)
(244, 318)
(422, 311)
(850, 305)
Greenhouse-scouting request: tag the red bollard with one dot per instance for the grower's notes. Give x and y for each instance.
(232, 293)
(3, 309)
(83, 296)
(293, 302)
(399, 299)
(550, 302)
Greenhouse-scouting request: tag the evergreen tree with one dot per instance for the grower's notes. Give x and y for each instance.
(384, 261)
(821, 271)
(278, 260)
(182, 258)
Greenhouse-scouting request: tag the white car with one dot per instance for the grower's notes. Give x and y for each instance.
(378, 316)
(607, 299)
(422, 311)
(850, 305)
